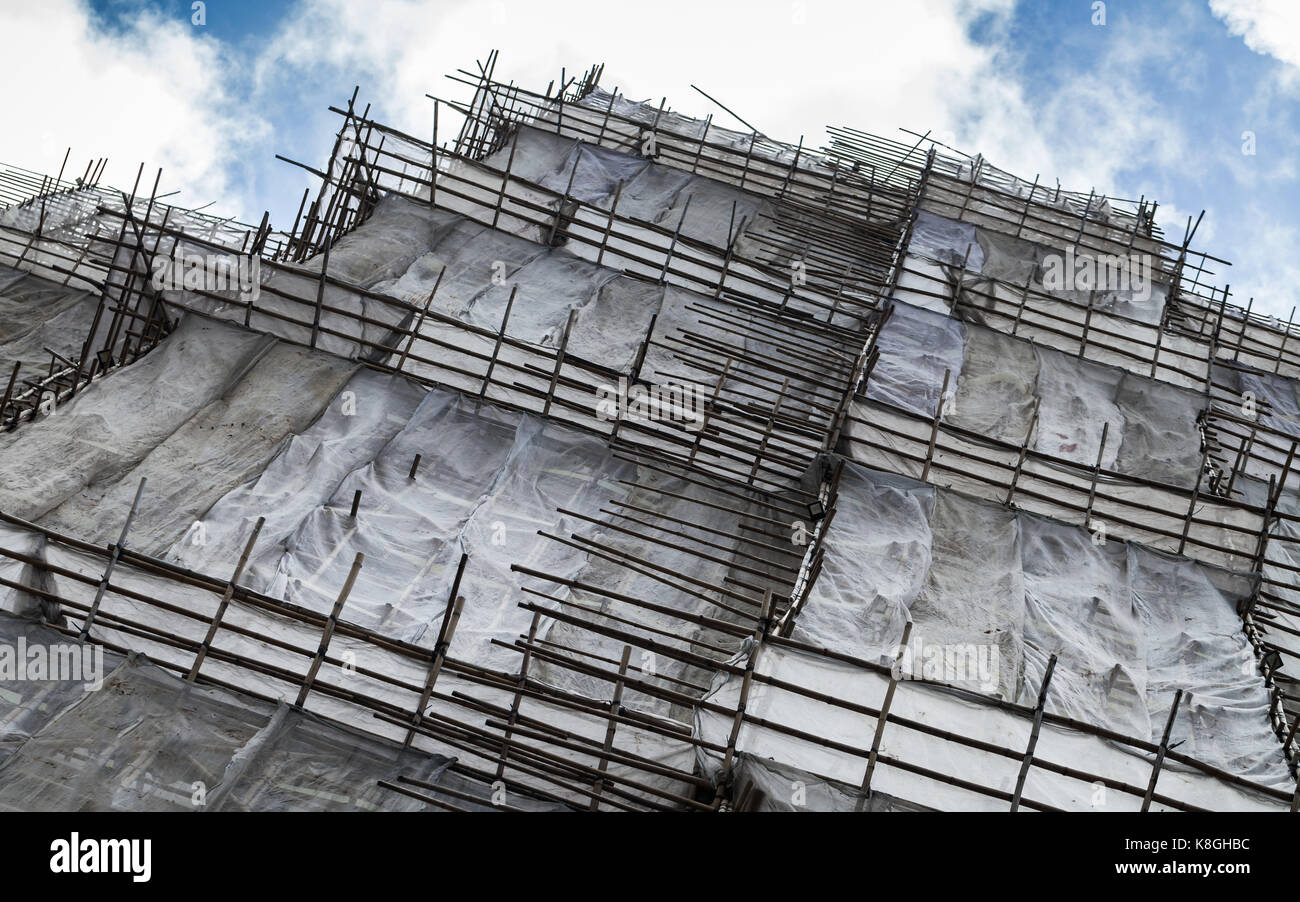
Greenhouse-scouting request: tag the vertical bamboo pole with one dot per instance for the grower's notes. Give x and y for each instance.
(225, 601)
(419, 320)
(1028, 203)
(1286, 471)
(521, 681)
(1281, 349)
(760, 633)
(1033, 734)
(934, 426)
(559, 362)
(320, 296)
(717, 391)
(1191, 507)
(699, 148)
(433, 164)
(609, 225)
(9, 392)
(1096, 471)
(450, 617)
(767, 433)
(672, 245)
(883, 717)
(496, 348)
(328, 633)
(505, 178)
(1155, 357)
(1024, 452)
(112, 563)
(614, 707)
(1160, 754)
(1020, 311)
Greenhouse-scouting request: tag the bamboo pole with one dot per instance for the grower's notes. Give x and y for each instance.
(225, 601)
(1033, 734)
(883, 717)
(1162, 751)
(328, 632)
(450, 618)
(614, 704)
(112, 562)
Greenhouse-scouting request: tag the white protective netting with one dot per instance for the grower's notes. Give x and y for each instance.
(830, 731)
(991, 255)
(404, 249)
(697, 206)
(36, 315)
(136, 737)
(114, 423)
(994, 380)
(1130, 625)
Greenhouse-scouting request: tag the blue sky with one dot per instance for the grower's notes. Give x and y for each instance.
(1153, 102)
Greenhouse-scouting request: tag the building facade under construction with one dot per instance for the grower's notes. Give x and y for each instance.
(582, 454)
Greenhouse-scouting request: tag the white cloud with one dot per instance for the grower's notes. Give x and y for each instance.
(156, 91)
(160, 91)
(788, 66)
(1270, 27)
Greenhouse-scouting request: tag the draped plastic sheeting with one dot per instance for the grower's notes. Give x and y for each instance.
(225, 443)
(1154, 432)
(671, 203)
(8, 276)
(252, 427)
(1076, 403)
(995, 391)
(883, 519)
(26, 543)
(1017, 262)
(36, 314)
(995, 378)
(228, 425)
(482, 269)
(404, 249)
(300, 763)
(705, 209)
(114, 423)
(203, 413)
(916, 348)
(786, 788)
(1249, 394)
(995, 768)
(26, 705)
(1129, 625)
(274, 653)
(946, 241)
(1277, 392)
(248, 427)
(974, 591)
(1160, 437)
(147, 740)
(488, 480)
